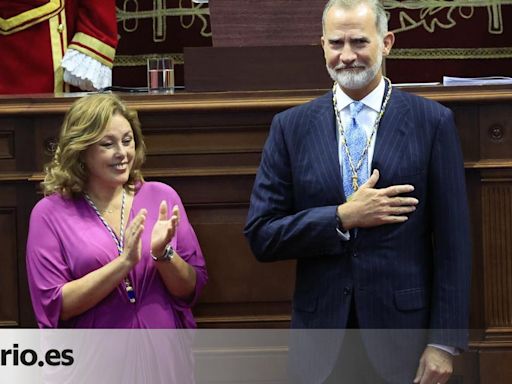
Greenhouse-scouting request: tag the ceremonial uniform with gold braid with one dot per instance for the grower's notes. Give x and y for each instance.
(36, 35)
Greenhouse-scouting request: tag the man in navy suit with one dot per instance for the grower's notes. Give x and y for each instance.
(380, 233)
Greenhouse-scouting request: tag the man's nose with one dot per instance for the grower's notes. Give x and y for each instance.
(347, 55)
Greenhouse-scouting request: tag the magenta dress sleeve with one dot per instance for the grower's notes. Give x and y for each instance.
(185, 243)
(47, 269)
(188, 248)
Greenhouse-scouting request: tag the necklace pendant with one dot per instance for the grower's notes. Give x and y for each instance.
(355, 185)
(129, 290)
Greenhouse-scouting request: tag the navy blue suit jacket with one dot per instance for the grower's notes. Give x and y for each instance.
(413, 275)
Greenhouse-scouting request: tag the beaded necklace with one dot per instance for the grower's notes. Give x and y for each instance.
(355, 168)
(119, 241)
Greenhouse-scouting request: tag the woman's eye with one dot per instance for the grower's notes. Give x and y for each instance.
(106, 144)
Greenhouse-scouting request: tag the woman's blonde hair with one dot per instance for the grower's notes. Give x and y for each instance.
(83, 126)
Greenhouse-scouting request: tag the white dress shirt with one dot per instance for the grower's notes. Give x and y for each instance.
(366, 119)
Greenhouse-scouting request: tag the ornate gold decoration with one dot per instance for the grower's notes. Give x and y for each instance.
(58, 42)
(159, 14)
(30, 17)
(440, 13)
(451, 53)
(141, 60)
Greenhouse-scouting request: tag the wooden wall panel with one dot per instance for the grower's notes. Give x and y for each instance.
(241, 292)
(204, 141)
(477, 314)
(220, 139)
(495, 367)
(45, 136)
(466, 369)
(467, 121)
(238, 277)
(9, 299)
(6, 145)
(27, 194)
(497, 244)
(496, 131)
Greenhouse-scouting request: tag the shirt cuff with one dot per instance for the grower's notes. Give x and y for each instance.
(451, 350)
(84, 72)
(342, 232)
(345, 236)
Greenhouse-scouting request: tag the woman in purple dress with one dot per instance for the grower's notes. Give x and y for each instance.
(106, 249)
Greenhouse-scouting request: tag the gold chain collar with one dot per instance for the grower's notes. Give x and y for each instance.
(355, 168)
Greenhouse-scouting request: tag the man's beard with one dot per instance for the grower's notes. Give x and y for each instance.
(351, 79)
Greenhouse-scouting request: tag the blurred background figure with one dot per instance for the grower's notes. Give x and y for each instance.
(48, 45)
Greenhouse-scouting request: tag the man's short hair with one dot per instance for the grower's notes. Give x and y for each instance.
(381, 20)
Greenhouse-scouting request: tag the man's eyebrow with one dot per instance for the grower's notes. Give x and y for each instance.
(360, 38)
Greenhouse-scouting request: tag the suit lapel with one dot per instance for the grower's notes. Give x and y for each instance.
(391, 134)
(324, 133)
(386, 157)
(390, 138)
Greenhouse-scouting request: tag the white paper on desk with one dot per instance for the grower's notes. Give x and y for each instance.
(488, 80)
(427, 84)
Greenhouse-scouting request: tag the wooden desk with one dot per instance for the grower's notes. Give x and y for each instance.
(208, 147)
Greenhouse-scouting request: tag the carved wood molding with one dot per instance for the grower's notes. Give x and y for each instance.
(9, 324)
(156, 173)
(16, 176)
(215, 101)
(499, 332)
(483, 345)
(488, 164)
(238, 171)
(226, 320)
(469, 94)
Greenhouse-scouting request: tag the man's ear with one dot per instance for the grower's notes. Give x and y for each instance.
(322, 40)
(389, 40)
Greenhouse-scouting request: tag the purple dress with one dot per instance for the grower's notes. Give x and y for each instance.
(67, 240)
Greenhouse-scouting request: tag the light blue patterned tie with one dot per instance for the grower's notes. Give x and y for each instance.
(355, 137)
